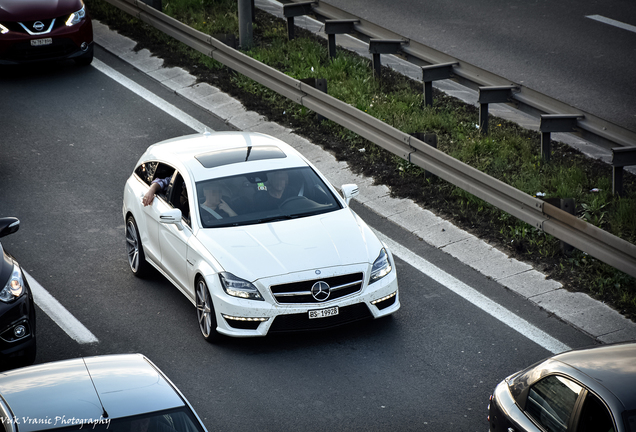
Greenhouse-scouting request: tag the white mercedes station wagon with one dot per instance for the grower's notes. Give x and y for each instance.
(254, 236)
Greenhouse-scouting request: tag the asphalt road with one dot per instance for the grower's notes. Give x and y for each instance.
(70, 137)
(550, 47)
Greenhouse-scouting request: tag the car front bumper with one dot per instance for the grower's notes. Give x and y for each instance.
(66, 43)
(248, 318)
(17, 327)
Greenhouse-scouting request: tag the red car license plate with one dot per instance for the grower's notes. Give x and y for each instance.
(40, 42)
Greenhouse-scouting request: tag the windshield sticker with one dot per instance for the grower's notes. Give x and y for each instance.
(261, 186)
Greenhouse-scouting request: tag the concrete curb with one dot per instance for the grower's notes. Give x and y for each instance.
(581, 311)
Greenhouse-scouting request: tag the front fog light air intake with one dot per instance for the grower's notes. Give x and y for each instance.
(385, 302)
(380, 300)
(243, 323)
(229, 317)
(237, 287)
(381, 267)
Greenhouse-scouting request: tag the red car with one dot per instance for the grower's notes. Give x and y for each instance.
(42, 30)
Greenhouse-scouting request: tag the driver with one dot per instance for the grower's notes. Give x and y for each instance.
(271, 193)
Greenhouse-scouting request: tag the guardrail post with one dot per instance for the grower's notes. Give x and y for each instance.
(292, 10)
(554, 123)
(621, 157)
(320, 84)
(245, 16)
(488, 95)
(430, 139)
(567, 205)
(433, 73)
(383, 46)
(334, 27)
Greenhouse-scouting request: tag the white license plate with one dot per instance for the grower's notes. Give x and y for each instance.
(323, 313)
(40, 42)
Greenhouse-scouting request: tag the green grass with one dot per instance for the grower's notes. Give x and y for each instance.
(510, 153)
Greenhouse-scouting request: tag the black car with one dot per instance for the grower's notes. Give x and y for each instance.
(17, 310)
(584, 390)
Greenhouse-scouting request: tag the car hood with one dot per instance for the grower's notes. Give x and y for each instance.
(259, 251)
(31, 10)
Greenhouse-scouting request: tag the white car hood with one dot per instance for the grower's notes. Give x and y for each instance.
(259, 251)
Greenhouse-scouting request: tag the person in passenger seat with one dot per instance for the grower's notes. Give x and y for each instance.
(214, 203)
(158, 185)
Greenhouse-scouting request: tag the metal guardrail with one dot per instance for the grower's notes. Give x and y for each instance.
(576, 232)
(591, 128)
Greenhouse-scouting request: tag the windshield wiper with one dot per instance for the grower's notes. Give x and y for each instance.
(276, 218)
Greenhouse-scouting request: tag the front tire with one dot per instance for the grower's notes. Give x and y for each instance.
(134, 249)
(205, 313)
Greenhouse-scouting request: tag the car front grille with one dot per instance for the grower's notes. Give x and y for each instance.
(300, 292)
(48, 25)
(301, 321)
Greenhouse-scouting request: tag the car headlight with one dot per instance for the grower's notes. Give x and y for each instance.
(3, 29)
(14, 287)
(381, 267)
(237, 287)
(76, 17)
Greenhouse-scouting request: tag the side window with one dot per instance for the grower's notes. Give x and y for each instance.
(179, 197)
(551, 402)
(594, 416)
(164, 173)
(146, 171)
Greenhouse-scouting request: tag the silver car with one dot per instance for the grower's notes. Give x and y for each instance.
(124, 392)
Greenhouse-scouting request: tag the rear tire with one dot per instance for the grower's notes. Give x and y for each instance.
(134, 249)
(205, 313)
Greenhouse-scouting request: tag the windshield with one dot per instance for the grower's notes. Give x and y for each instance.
(263, 197)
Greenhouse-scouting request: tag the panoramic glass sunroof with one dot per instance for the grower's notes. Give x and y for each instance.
(244, 154)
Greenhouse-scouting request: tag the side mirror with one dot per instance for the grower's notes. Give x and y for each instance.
(349, 191)
(8, 225)
(172, 217)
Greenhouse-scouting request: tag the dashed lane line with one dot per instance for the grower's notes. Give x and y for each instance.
(612, 22)
(59, 314)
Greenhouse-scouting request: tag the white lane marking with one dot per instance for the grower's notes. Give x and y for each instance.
(150, 97)
(59, 314)
(612, 22)
(475, 297)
